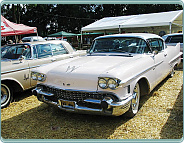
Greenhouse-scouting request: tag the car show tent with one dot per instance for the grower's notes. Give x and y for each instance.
(62, 34)
(169, 22)
(9, 28)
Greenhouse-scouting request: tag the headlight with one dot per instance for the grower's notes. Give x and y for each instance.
(112, 83)
(38, 76)
(41, 77)
(102, 82)
(107, 82)
(34, 75)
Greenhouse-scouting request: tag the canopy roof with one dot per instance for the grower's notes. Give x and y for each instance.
(63, 34)
(9, 28)
(133, 21)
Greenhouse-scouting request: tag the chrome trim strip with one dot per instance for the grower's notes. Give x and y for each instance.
(5, 72)
(175, 58)
(139, 74)
(93, 101)
(45, 93)
(15, 70)
(35, 66)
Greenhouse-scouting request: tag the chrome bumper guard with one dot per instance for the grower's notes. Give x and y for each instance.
(108, 106)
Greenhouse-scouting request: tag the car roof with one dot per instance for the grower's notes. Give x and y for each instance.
(45, 42)
(134, 35)
(39, 42)
(173, 34)
(32, 37)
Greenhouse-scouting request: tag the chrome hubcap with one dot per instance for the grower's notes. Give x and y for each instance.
(135, 100)
(4, 94)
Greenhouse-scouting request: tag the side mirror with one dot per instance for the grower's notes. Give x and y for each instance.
(21, 58)
(88, 51)
(155, 52)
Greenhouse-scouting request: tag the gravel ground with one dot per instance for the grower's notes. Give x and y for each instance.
(160, 117)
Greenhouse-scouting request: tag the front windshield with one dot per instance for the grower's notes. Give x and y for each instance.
(15, 51)
(120, 45)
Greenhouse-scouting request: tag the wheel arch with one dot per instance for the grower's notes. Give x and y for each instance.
(15, 85)
(144, 86)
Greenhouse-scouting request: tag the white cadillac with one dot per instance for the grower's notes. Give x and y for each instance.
(111, 78)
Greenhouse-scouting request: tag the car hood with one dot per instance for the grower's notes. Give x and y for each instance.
(83, 72)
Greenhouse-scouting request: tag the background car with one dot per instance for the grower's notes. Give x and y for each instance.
(32, 39)
(17, 60)
(111, 79)
(173, 39)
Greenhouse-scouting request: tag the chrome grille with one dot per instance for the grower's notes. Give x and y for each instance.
(78, 96)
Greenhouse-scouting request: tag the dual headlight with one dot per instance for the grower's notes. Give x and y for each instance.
(38, 76)
(111, 83)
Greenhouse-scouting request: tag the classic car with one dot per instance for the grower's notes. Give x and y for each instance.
(111, 78)
(32, 39)
(17, 60)
(173, 39)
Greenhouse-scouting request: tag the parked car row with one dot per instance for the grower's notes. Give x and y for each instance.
(17, 60)
(111, 78)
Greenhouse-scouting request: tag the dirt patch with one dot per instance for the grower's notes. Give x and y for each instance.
(160, 117)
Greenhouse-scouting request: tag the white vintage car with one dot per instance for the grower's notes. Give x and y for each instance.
(17, 60)
(111, 78)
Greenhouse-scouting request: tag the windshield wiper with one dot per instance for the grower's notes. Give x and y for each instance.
(102, 50)
(118, 50)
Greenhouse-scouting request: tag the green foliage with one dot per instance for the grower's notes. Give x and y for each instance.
(72, 17)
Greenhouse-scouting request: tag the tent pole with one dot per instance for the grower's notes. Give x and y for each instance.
(15, 39)
(37, 34)
(119, 30)
(170, 27)
(81, 41)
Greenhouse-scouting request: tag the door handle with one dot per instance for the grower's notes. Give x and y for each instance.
(165, 55)
(53, 60)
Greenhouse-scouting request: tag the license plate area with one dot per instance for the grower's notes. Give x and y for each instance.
(67, 104)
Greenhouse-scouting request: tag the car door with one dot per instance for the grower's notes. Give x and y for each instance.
(20, 67)
(161, 66)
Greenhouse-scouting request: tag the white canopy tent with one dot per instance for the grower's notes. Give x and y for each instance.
(167, 19)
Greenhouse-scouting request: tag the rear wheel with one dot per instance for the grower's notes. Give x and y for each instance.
(6, 95)
(134, 106)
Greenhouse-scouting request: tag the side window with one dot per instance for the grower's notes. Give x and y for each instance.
(143, 47)
(35, 52)
(167, 40)
(58, 49)
(42, 51)
(177, 39)
(156, 44)
(27, 51)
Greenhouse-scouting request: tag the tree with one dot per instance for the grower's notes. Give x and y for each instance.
(51, 18)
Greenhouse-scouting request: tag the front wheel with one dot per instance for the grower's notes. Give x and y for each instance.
(134, 106)
(6, 95)
(172, 73)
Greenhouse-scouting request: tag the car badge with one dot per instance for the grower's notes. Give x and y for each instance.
(70, 69)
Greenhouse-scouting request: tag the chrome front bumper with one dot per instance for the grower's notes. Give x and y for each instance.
(108, 106)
